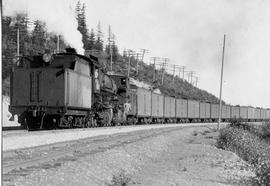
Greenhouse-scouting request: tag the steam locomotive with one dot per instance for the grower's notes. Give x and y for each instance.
(67, 90)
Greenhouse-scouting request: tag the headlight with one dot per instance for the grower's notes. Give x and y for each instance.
(47, 58)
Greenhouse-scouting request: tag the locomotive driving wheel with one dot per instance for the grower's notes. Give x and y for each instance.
(32, 123)
(107, 118)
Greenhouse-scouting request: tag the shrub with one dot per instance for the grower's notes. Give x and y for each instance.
(250, 147)
(266, 131)
(120, 179)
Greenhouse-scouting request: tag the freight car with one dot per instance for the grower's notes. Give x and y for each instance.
(157, 108)
(244, 113)
(205, 111)
(226, 112)
(214, 112)
(181, 110)
(145, 109)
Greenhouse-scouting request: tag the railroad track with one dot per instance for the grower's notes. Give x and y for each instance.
(11, 128)
(71, 149)
(25, 160)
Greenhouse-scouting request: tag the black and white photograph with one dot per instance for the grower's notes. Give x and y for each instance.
(135, 92)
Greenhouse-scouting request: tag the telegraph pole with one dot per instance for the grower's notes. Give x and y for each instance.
(163, 73)
(180, 72)
(191, 76)
(143, 52)
(155, 60)
(184, 72)
(137, 63)
(18, 42)
(58, 43)
(154, 76)
(188, 76)
(196, 80)
(129, 54)
(221, 79)
(111, 56)
(173, 72)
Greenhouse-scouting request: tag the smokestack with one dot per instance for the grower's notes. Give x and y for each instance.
(71, 50)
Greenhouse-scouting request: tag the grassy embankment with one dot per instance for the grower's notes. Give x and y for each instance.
(251, 143)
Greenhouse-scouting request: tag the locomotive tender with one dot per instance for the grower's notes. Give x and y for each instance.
(67, 90)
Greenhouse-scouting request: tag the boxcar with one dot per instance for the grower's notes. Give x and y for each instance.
(226, 112)
(157, 105)
(263, 114)
(193, 109)
(181, 109)
(235, 111)
(205, 109)
(244, 113)
(268, 114)
(169, 107)
(257, 114)
(251, 113)
(214, 111)
(143, 103)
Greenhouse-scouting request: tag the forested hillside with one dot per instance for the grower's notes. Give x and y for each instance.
(37, 39)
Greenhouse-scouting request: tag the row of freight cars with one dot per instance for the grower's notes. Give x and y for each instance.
(148, 107)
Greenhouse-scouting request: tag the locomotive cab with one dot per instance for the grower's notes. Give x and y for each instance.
(122, 84)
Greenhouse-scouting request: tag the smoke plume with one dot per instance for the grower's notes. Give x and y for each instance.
(59, 17)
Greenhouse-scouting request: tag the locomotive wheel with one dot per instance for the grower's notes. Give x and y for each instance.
(65, 122)
(32, 123)
(131, 121)
(22, 120)
(107, 118)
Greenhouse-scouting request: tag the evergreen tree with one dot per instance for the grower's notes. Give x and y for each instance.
(91, 40)
(51, 43)
(109, 42)
(111, 48)
(125, 53)
(9, 45)
(82, 28)
(78, 10)
(99, 41)
(114, 47)
(39, 37)
(21, 22)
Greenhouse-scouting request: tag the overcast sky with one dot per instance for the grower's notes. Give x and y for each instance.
(188, 32)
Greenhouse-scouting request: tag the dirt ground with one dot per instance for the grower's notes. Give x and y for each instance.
(180, 156)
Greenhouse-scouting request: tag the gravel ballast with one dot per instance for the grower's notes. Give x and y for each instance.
(26, 139)
(180, 156)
